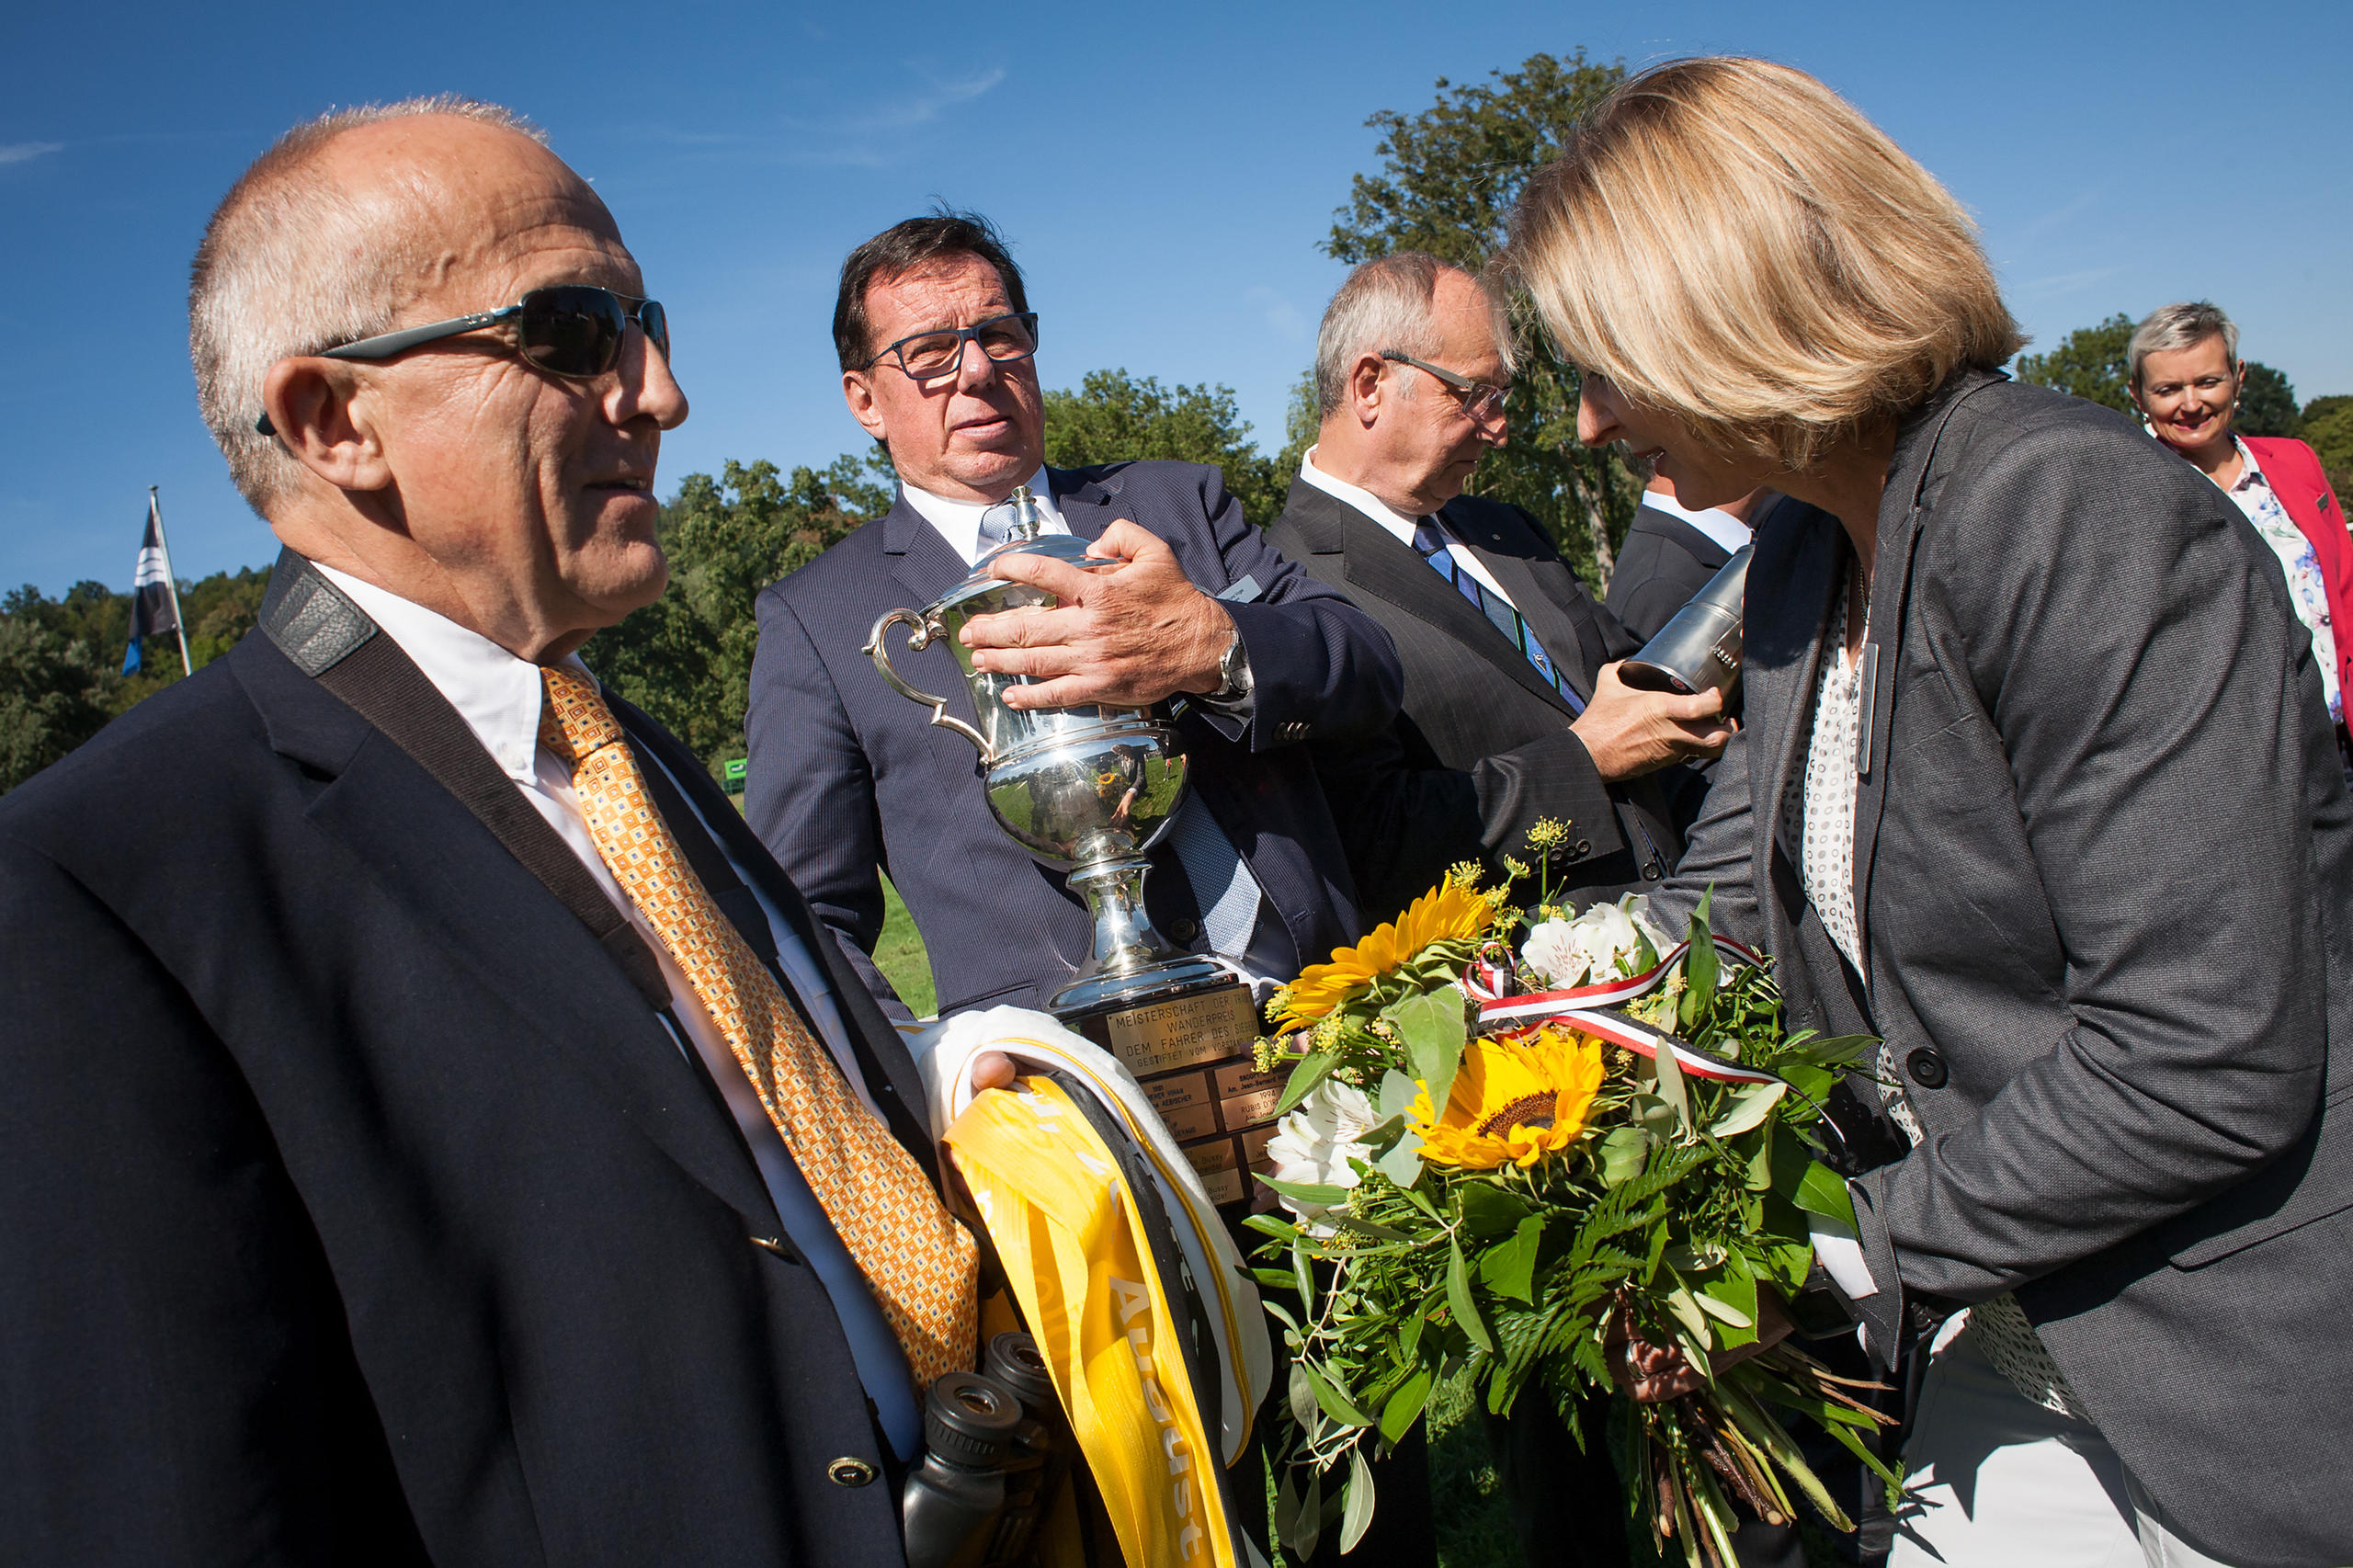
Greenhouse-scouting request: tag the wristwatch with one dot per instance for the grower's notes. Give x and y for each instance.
(1234, 674)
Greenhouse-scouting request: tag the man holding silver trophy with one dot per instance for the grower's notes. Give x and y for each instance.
(1135, 667)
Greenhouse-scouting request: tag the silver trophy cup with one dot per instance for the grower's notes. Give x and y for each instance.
(1699, 649)
(1091, 789)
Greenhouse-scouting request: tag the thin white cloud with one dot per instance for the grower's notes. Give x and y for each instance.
(25, 152)
(2041, 226)
(922, 108)
(2068, 282)
(1281, 317)
(874, 137)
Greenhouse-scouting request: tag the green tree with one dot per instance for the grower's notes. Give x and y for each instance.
(2328, 427)
(1448, 179)
(1299, 426)
(1114, 416)
(686, 658)
(53, 688)
(2089, 362)
(2267, 403)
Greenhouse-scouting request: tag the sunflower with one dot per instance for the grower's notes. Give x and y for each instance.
(1512, 1100)
(1451, 912)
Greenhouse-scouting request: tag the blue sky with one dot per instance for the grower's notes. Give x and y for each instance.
(1165, 171)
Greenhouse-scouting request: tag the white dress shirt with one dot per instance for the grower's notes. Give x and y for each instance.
(959, 522)
(1717, 524)
(498, 696)
(1399, 524)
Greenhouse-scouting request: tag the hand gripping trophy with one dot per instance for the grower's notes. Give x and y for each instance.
(1093, 788)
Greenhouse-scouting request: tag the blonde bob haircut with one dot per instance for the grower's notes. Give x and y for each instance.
(1730, 243)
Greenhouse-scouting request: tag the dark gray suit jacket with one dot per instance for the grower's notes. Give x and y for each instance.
(2104, 869)
(1661, 564)
(847, 776)
(1482, 746)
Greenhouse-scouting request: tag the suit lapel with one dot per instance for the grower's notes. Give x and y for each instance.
(1087, 504)
(1783, 665)
(1899, 537)
(1373, 561)
(571, 1007)
(890, 1072)
(926, 564)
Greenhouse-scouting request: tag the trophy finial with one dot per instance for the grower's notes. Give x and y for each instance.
(1029, 517)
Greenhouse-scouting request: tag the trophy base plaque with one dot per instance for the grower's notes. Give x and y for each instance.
(1185, 1029)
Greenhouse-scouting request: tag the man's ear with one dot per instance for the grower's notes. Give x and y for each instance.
(858, 392)
(1364, 386)
(324, 418)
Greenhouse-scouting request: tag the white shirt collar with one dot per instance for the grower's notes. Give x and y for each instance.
(495, 693)
(959, 522)
(1720, 525)
(2252, 474)
(1363, 500)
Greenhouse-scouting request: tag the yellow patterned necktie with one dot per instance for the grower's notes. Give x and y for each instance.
(920, 1262)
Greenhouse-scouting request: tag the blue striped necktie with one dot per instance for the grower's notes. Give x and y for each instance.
(1431, 540)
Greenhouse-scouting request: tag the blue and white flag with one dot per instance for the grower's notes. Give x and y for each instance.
(154, 599)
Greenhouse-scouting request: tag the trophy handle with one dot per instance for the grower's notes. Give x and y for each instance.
(917, 639)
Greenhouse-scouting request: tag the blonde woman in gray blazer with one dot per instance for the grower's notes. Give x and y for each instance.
(2037, 785)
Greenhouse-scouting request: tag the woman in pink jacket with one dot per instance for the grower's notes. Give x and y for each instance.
(2186, 379)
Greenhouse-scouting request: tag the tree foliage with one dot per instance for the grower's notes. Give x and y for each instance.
(1449, 177)
(60, 660)
(686, 658)
(1114, 416)
(2089, 362)
(2328, 427)
(2267, 403)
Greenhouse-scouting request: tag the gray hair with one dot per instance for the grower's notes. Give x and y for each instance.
(2171, 328)
(291, 265)
(1385, 303)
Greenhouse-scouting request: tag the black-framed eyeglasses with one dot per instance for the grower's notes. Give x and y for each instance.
(1479, 401)
(927, 355)
(572, 330)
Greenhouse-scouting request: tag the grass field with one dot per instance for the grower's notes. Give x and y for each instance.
(899, 956)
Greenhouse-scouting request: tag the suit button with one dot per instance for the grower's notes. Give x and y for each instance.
(1927, 1068)
(1184, 930)
(850, 1473)
(1581, 848)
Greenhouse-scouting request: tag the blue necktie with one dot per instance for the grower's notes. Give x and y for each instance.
(1431, 540)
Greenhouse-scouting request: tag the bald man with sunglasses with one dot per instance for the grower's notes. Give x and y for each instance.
(436, 1129)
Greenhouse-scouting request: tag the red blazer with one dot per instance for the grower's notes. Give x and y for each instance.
(2294, 471)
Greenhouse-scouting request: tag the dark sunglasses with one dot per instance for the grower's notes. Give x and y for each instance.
(572, 330)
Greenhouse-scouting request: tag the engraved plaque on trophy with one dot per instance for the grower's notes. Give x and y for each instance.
(1092, 789)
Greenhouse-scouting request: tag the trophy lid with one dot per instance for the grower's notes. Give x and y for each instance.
(1027, 538)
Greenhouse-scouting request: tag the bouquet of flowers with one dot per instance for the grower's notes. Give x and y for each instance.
(1519, 1144)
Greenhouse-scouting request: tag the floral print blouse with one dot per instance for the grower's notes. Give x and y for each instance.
(2305, 587)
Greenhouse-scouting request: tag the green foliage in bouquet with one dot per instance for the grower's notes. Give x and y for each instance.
(1518, 1209)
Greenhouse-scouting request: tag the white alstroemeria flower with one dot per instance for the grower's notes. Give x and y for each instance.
(1584, 951)
(1314, 1144)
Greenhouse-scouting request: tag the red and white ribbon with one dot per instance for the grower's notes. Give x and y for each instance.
(1581, 1008)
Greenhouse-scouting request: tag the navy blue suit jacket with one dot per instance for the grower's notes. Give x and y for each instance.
(846, 776)
(356, 1208)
